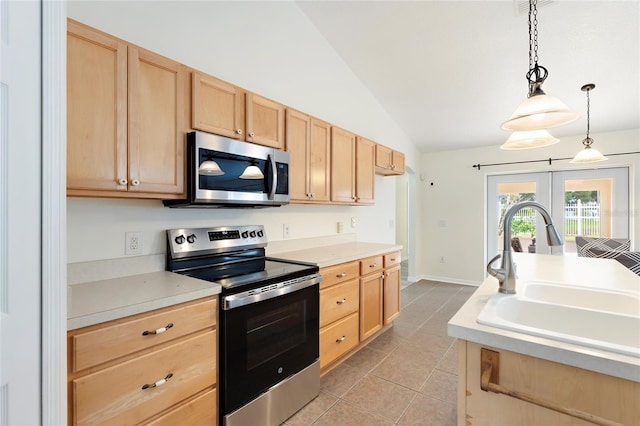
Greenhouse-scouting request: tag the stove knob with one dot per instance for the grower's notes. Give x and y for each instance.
(245, 234)
(260, 234)
(252, 234)
(191, 238)
(179, 239)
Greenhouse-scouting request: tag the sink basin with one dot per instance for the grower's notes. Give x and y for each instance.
(581, 297)
(596, 318)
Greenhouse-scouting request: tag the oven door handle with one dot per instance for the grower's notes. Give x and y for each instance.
(269, 292)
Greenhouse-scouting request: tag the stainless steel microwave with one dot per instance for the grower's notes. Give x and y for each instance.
(224, 172)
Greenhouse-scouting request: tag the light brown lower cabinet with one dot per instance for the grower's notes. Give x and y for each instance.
(356, 304)
(392, 278)
(160, 367)
(577, 396)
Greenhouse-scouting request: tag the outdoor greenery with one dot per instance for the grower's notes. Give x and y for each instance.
(519, 227)
(584, 196)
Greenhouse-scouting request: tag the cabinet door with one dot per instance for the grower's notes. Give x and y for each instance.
(391, 294)
(383, 157)
(297, 138)
(398, 162)
(265, 121)
(343, 152)
(320, 160)
(96, 110)
(217, 106)
(371, 299)
(365, 171)
(156, 123)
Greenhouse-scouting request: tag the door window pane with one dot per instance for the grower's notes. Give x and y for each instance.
(523, 226)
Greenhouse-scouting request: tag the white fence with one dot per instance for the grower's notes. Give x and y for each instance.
(579, 218)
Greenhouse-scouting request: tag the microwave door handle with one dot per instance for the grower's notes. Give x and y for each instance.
(274, 175)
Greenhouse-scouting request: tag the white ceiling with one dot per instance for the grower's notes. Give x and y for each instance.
(450, 72)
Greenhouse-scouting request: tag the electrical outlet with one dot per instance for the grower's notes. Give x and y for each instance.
(132, 243)
(353, 222)
(286, 231)
(340, 227)
(441, 259)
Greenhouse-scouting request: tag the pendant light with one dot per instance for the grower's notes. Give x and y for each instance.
(588, 154)
(539, 111)
(528, 140)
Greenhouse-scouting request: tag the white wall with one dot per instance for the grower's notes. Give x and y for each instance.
(458, 196)
(270, 48)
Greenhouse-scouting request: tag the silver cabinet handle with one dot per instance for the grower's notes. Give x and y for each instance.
(158, 383)
(373, 266)
(340, 302)
(343, 274)
(252, 134)
(340, 340)
(123, 181)
(239, 131)
(135, 182)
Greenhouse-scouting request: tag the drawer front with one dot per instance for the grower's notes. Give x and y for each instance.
(392, 259)
(339, 273)
(338, 338)
(199, 411)
(338, 301)
(100, 344)
(115, 395)
(370, 264)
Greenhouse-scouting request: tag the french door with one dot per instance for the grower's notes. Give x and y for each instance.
(593, 203)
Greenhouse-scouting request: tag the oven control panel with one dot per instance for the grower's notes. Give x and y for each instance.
(193, 241)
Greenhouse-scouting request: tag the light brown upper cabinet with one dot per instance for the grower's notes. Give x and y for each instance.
(217, 106)
(125, 118)
(224, 109)
(388, 161)
(343, 157)
(309, 146)
(352, 168)
(365, 161)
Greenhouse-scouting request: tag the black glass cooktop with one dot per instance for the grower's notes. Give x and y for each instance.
(241, 276)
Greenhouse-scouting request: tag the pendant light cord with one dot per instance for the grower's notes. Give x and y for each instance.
(587, 142)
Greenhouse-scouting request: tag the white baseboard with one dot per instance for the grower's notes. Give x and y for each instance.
(445, 280)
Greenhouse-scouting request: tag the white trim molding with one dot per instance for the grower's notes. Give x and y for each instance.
(54, 246)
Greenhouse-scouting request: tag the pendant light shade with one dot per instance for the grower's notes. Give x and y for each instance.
(539, 111)
(530, 139)
(588, 154)
(210, 168)
(252, 172)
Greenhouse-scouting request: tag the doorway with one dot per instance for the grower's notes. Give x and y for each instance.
(592, 203)
(405, 216)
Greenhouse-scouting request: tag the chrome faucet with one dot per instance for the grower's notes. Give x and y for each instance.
(506, 274)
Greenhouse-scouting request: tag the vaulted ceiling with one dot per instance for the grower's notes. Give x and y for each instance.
(450, 72)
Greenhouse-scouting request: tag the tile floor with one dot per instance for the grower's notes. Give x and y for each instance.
(406, 376)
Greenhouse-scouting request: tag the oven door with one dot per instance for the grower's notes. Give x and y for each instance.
(264, 342)
(225, 170)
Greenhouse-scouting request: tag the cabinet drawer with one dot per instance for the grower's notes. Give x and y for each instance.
(99, 344)
(370, 264)
(199, 411)
(338, 338)
(392, 259)
(339, 273)
(116, 395)
(338, 301)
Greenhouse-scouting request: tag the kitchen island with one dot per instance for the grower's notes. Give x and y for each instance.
(567, 376)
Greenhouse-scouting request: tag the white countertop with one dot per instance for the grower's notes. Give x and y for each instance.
(91, 300)
(590, 272)
(335, 254)
(105, 300)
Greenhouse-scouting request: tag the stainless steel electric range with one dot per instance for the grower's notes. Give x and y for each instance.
(269, 321)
